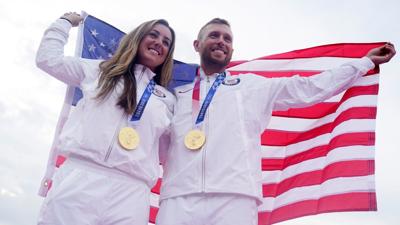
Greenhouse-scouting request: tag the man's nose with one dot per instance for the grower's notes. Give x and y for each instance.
(221, 40)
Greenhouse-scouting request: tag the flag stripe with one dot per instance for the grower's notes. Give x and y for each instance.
(360, 139)
(333, 186)
(272, 67)
(351, 50)
(281, 138)
(355, 201)
(322, 109)
(334, 170)
(342, 114)
(353, 138)
(348, 153)
(277, 74)
(157, 187)
(153, 214)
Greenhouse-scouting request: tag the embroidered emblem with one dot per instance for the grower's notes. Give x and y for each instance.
(231, 82)
(159, 93)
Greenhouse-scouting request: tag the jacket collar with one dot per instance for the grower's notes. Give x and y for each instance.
(142, 72)
(212, 76)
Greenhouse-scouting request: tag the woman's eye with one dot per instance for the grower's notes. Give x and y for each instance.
(166, 43)
(153, 35)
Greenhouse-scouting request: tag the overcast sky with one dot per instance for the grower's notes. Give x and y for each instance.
(30, 100)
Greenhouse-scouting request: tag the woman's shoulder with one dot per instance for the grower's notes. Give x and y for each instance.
(164, 95)
(91, 68)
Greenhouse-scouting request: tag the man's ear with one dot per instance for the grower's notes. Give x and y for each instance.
(196, 45)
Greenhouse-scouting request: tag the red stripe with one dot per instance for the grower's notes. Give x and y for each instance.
(196, 90)
(339, 169)
(343, 140)
(349, 50)
(153, 214)
(283, 138)
(356, 201)
(156, 188)
(60, 160)
(325, 108)
(360, 90)
(237, 62)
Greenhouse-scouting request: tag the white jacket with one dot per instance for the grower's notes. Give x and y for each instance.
(230, 160)
(91, 131)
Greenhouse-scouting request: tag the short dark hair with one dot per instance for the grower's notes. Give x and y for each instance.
(213, 21)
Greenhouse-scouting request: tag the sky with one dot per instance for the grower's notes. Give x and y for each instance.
(30, 100)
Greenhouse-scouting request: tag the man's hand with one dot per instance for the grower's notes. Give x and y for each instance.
(382, 54)
(73, 17)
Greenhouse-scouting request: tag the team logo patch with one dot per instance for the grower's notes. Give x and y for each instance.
(231, 82)
(159, 93)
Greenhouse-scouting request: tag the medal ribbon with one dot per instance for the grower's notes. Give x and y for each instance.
(206, 103)
(143, 101)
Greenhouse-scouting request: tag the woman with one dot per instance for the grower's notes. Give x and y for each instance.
(111, 139)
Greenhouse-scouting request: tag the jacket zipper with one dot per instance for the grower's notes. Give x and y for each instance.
(110, 147)
(203, 186)
(113, 139)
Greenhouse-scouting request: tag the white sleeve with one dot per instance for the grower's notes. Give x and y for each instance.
(165, 138)
(50, 55)
(295, 92)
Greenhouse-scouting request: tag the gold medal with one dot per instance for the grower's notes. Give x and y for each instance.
(195, 139)
(128, 138)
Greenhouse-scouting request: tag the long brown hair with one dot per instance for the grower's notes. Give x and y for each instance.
(121, 66)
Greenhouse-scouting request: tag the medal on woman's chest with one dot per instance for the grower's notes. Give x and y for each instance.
(128, 137)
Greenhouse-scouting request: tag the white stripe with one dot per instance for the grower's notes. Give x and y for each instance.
(300, 124)
(367, 80)
(331, 187)
(311, 64)
(284, 151)
(350, 126)
(154, 199)
(359, 152)
(276, 152)
(160, 167)
(363, 81)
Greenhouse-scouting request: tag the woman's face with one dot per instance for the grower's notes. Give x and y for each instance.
(154, 47)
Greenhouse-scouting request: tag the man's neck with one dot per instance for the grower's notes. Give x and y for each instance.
(212, 69)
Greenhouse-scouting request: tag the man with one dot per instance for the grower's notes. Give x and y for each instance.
(212, 172)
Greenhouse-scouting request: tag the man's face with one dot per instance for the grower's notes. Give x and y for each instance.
(215, 45)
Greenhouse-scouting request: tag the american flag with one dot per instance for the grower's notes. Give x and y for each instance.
(320, 158)
(314, 160)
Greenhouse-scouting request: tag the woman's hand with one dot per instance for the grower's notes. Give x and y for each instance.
(73, 17)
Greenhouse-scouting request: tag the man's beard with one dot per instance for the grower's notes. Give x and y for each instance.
(208, 60)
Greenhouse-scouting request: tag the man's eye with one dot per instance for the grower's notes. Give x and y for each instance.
(213, 35)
